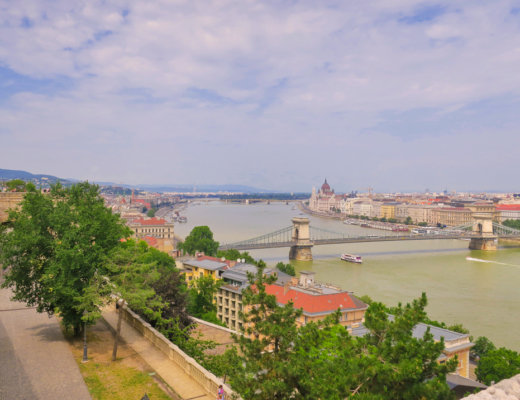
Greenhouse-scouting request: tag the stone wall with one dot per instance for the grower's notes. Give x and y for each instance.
(508, 389)
(206, 379)
(9, 200)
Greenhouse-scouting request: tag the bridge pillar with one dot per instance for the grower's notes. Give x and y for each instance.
(301, 234)
(483, 227)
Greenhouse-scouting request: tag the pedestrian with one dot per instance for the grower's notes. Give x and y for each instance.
(220, 393)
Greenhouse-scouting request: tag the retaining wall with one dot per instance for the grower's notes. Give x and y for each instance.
(206, 379)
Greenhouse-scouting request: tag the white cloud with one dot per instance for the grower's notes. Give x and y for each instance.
(154, 85)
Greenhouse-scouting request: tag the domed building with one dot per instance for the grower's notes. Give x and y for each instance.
(325, 201)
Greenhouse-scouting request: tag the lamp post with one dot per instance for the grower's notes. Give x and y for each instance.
(85, 358)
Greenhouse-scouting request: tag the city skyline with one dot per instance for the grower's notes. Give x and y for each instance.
(398, 96)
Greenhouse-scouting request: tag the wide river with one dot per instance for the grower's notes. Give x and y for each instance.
(483, 293)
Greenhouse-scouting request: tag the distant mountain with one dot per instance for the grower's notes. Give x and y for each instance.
(44, 180)
(39, 179)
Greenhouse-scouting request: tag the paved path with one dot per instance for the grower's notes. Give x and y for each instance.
(35, 360)
(183, 384)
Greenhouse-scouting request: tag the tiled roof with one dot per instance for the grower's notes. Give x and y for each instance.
(206, 264)
(220, 260)
(151, 221)
(315, 303)
(150, 240)
(508, 207)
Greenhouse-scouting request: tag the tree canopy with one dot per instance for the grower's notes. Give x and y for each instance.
(200, 239)
(56, 250)
(322, 360)
(498, 364)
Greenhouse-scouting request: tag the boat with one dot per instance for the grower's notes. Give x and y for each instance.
(351, 258)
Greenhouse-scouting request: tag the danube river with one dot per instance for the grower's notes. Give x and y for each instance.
(483, 293)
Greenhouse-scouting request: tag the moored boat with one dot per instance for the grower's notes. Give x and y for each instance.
(351, 258)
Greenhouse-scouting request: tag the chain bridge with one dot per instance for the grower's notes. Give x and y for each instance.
(301, 237)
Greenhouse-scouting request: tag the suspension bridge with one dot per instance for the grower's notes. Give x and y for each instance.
(301, 237)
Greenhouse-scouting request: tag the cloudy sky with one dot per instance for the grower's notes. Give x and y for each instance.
(391, 94)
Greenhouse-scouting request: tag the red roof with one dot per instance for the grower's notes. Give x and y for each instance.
(510, 207)
(312, 303)
(151, 221)
(152, 242)
(145, 203)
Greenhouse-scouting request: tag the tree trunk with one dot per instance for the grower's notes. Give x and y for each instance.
(118, 331)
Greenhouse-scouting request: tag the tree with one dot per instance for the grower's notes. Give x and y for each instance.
(262, 374)
(287, 268)
(200, 239)
(201, 296)
(512, 223)
(498, 364)
(408, 221)
(151, 212)
(17, 185)
(482, 346)
(56, 250)
(233, 254)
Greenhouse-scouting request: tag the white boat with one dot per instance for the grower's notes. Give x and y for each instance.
(351, 258)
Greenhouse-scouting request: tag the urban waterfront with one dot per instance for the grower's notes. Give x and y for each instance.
(482, 295)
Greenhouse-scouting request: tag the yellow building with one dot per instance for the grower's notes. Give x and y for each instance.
(204, 266)
(388, 210)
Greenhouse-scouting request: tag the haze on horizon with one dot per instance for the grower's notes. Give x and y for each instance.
(398, 95)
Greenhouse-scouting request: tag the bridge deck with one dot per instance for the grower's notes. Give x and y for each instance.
(360, 239)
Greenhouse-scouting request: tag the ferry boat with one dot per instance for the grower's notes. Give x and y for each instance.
(351, 258)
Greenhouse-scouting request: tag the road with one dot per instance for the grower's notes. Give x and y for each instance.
(36, 362)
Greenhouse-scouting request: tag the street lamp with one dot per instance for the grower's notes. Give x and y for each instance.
(85, 358)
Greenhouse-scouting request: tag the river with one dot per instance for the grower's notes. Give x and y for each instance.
(482, 293)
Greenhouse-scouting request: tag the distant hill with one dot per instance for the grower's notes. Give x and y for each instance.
(45, 180)
(38, 179)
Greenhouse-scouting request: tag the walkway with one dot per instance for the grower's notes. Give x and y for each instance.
(36, 362)
(169, 371)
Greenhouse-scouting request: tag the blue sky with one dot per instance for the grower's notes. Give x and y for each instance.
(398, 95)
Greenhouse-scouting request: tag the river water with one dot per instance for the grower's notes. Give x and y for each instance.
(482, 293)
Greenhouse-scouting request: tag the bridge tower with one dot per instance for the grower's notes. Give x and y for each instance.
(301, 234)
(483, 227)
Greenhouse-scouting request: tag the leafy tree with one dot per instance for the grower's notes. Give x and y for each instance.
(287, 268)
(233, 254)
(498, 364)
(482, 346)
(201, 296)
(512, 223)
(56, 251)
(408, 221)
(200, 239)
(151, 212)
(17, 185)
(422, 223)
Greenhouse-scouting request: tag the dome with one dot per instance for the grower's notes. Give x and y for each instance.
(325, 188)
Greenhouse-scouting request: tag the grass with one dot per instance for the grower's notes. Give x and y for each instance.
(129, 377)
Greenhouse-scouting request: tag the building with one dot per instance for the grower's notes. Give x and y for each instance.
(325, 201)
(157, 228)
(318, 300)
(229, 295)
(204, 266)
(456, 344)
(508, 211)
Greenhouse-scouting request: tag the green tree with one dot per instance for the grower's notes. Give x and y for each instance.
(287, 268)
(201, 296)
(422, 223)
(200, 239)
(233, 254)
(262, 374)
(498, 364)
(408, 221)
(512, 223)
(151, 212)
(482, 346)
(56, 250)
(17, 185)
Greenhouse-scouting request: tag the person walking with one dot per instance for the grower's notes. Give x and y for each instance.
(220, 393)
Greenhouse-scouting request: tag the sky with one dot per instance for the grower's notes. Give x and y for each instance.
(396, 95)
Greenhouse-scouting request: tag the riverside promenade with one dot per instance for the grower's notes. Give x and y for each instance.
(36, 361)
(173, 375)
